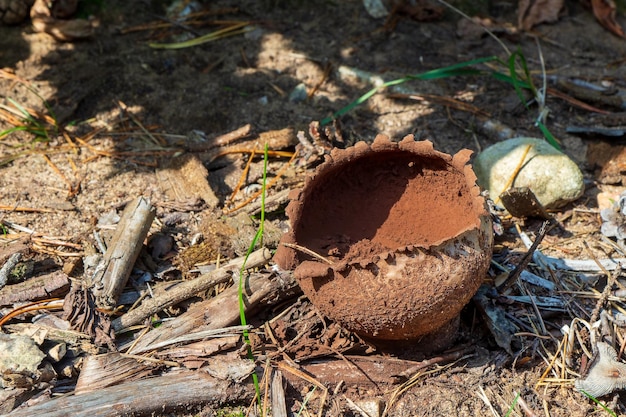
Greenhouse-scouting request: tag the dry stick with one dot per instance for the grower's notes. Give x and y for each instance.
(54, 284)
(189, 289)
(36, 306)
(223, 309)
(271, 202)
(72, 188)
(327, 69)
(513, 276)
(280, 172)
(28, 209)
(606, 292)
(132, 117)
(112, 273)
(242, 178)
(307, 251)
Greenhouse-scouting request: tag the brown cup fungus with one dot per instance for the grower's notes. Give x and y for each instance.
(403, 238)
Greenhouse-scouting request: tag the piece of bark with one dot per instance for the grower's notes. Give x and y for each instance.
(79, 309)
(203, 333)
(101, 371)
(260, 289)
(279, 407)
(112, 273)
(200, 350)
(159, 395)
(11, 398)
(54, 284)
(188, 289)
(185, 179)
(522, 202)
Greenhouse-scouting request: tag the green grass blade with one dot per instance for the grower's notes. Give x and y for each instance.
(513, 404)
(445, 72)
(306, 400)
(549, 136)
(12, 130)
(21, 109)
(604, 407)
(258, 238)
(509, 80)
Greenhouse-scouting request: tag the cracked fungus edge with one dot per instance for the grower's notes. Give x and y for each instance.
(607, 373)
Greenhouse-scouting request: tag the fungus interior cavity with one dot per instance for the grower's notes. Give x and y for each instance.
(385, 201)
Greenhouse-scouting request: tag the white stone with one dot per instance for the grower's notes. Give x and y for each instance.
(550, 174)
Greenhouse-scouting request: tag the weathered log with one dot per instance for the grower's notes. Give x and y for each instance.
(112, 273)
(159, 395)
(223, 310)
(189, 289)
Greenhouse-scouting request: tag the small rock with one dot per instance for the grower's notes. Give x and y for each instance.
(375, 8)
(298, 94)
(20, 359)
(552, 176)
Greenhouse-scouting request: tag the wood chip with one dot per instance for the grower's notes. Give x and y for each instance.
(185, 179)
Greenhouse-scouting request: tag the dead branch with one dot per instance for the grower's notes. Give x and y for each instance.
(223, 310)
(113, 271)
(158, 395)
(189, 289)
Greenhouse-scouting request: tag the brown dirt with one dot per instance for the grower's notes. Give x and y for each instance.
(220, 86)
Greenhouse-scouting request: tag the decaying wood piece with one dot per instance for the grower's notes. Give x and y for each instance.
(279, 407)
(195, 354)
(9, 399)
(185, 179)
(158, 395)
(203, 333)
(188, 289)
(274, 139)
(55, 284)
(223, 310)
(112, 273)
(101, 371)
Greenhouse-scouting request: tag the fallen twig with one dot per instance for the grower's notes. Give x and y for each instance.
(223, 310)
(513, 276)
(189, 289)
(113, 272)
